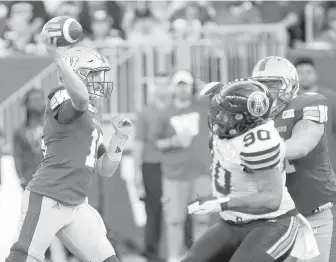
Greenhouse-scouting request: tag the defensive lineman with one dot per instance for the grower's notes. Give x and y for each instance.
(259, 220)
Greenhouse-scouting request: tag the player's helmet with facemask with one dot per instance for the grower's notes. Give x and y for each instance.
(92, 68)
(281, 78)
(238, 107)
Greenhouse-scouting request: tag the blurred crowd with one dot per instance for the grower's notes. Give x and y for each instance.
(107, 23)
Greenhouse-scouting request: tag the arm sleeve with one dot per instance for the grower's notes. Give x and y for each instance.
(262, 155)
(62, 107)
(314, 109)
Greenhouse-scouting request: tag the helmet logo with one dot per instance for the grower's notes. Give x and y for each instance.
(71, 60)
(258, 104)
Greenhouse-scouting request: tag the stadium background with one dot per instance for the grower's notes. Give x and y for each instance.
(224, 53)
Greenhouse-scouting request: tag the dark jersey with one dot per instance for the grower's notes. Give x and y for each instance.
(310, 180)
(70, 151)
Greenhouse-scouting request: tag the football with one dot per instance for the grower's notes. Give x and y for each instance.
(66, 29)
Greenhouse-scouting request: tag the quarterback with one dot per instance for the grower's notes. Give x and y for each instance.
(54, 202)
(258, 217)
(300, 121)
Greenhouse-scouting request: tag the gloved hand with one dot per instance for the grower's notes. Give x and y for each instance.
(200, 207)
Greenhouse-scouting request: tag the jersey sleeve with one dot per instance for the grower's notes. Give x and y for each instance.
(314, 108)
(61, 106)
(57, 97)
(265, 153)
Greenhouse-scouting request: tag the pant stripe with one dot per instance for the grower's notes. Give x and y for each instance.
(31, 218)
(286, 241)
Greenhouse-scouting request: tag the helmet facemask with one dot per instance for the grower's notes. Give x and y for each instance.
(282, 91)
(228, 125)
(96, 81)
(280, 77)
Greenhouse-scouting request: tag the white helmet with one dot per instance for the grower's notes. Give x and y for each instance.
(86, 62)
(281, 78)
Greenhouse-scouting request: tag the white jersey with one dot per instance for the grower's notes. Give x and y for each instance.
(234, 160)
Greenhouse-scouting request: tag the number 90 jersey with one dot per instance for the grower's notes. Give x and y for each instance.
(70, 152)
(236, 159)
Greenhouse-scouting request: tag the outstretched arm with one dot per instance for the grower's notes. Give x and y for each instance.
(75, 87)
(305, 137)
(309, 128)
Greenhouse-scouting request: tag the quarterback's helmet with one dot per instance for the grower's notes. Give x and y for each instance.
(92, 68)
(238, 107)
(281, 77)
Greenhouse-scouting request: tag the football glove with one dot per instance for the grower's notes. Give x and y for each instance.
(199, 207)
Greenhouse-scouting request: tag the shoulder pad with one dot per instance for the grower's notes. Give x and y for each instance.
(57, 97)
(264, 150)
(312, 106)
(310, 99)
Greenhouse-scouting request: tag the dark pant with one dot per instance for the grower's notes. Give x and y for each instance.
(152, 178)
(324, 227)
(258, 241)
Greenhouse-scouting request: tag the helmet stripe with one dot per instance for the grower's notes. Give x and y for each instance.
(66, 30)
(263, 64)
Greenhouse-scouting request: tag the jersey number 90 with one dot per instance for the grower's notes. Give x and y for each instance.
(261, 135)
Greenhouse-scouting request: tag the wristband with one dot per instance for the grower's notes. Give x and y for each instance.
(116, 147)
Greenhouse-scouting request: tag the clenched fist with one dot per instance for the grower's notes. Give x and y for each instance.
(122, 126)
